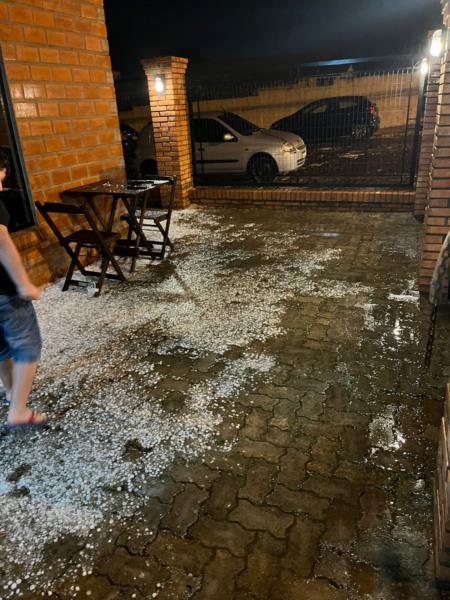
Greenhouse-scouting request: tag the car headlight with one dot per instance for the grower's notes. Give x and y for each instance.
(287, 147)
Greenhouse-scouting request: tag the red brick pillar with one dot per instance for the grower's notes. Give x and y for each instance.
(170, 117)
(427, 138)
(437, 213)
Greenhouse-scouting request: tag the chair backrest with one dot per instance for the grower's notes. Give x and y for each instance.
(173, 181)
(172, 197)
(59, 207)
(47, 208)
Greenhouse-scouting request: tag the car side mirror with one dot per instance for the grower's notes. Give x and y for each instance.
(228, 137)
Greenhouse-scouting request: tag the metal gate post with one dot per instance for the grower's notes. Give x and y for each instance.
(418, 127)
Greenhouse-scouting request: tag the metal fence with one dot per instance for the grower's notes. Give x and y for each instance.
(328, 129)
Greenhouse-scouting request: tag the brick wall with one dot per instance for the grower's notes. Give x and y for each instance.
(368, 200)
(427, 139)
(437, 216)
(59, 72)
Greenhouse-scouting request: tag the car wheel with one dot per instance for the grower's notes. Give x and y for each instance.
(360, 132)
(263, 168)
(148, 167)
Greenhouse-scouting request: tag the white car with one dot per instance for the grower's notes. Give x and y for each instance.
(227, 143)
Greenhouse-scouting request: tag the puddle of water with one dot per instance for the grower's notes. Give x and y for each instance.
(327, 234)
(384, 433)
(412, 297)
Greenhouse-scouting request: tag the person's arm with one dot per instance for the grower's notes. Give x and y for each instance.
(13, 265)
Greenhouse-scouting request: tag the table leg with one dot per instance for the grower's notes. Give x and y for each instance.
(112, 214)
(90, 201)
(137, 226)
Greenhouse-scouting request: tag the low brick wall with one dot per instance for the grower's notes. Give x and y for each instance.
(370, 200)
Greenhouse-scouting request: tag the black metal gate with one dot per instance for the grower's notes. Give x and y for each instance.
(352, 128)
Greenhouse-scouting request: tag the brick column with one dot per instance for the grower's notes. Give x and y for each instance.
(437, 214)
(427, 138)
(170, 117)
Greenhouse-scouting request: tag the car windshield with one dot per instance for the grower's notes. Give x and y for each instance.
(239, 124)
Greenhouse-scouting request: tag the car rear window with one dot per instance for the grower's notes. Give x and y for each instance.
(344, 104)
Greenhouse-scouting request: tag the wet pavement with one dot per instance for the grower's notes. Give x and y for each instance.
(248, 421)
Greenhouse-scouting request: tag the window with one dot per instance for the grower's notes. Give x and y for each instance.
(347, 104)
(16, 193)
(239, 124)
(320, 109)
(316, 109)
(209, 131)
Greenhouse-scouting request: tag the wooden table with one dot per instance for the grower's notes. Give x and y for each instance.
(132, 193)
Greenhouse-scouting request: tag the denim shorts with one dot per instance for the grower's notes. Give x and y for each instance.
(20, 338)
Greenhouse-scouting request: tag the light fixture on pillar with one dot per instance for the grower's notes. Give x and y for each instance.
(160, 84)
(424, 66)
(437, 43)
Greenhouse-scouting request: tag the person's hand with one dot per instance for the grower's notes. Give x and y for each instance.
(29, 292)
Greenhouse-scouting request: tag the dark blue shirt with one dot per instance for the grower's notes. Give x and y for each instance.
(7, 287)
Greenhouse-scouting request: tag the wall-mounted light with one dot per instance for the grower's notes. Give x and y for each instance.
(437, 43)
(424, 66)
(160, 84)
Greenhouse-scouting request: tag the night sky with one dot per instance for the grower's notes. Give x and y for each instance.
(247, 29)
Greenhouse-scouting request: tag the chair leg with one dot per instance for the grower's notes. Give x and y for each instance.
(108, 253)
(71, 270)
(166, 240)
(165, 234)
(101, 279)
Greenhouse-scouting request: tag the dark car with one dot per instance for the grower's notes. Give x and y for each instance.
(129, 139)
(129, 145)
(331, 118)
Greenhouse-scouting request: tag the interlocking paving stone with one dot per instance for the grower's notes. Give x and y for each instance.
(333, 488)
(178, 586)
(199, 474)
(317, 482)
(293, 588)
(163, 488)
(223, 497)
(139, 531)
(172, 551)
(376, 511)
(341, 523)
(259, 481)
(262, 518)
(95, 587)
(255, 425)
(185, 509)
(324, 456)
(220, 577)
(220, 534)
(298, 502)
(293, 468)
(302, 546)
(256, 449)
(125, 569)
(263, 568)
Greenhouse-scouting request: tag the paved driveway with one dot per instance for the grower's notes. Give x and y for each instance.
(247, 421)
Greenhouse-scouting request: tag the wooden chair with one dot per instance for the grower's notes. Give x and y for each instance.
(155, 218)
(103, 242)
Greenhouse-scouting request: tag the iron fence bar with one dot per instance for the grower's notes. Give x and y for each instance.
(405, 138)
(192, 139)
(357, 157)
(418, 127)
